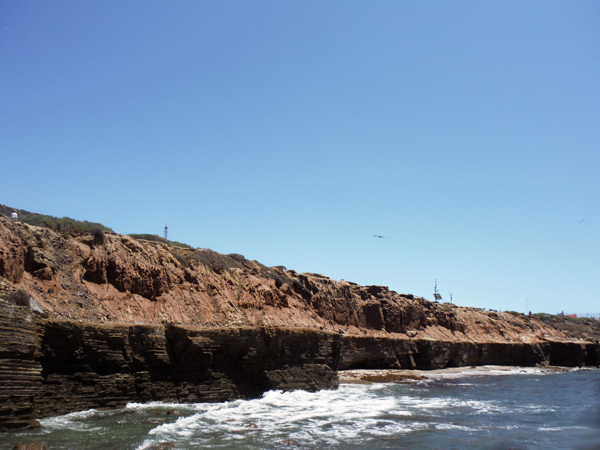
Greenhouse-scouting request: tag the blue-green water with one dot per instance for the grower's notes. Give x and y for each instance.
(520, 409)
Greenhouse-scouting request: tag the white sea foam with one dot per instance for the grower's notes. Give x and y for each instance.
(439, 403)
(327, 417)
(352, 413)
(165, 405)
(481, 371)
(330, 416)
(348, 418)
(77, 421)
(564, 428)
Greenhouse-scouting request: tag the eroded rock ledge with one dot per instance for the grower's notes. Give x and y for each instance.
(50, 367)
(427, 354)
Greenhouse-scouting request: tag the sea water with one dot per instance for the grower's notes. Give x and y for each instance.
(516, 409)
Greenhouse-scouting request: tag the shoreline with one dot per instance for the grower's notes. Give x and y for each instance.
(371, 376)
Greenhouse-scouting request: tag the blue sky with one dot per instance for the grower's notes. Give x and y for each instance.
(467, 133)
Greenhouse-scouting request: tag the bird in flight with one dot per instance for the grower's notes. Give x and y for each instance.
(581, 220)
(377, 236)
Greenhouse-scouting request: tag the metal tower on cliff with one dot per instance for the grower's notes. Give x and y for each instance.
(436, 293)
(166, 231)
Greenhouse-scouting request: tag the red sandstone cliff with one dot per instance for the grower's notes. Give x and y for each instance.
(127, 281)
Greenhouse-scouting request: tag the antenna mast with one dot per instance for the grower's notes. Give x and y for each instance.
(166, 231)
(436, 293)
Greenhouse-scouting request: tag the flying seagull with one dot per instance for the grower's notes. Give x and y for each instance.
(377, 236)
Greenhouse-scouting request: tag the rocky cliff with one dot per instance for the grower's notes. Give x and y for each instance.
(93, 319)
(50, 367)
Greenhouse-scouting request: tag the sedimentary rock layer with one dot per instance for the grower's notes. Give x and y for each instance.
(54, 367)
(50, 367)
(427, 354)
(20, 373)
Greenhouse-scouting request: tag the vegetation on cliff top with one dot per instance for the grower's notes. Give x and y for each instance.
(69, 225)
(157, 238)
(65, 224)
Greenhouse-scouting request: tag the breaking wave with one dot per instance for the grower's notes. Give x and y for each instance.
(517, 408)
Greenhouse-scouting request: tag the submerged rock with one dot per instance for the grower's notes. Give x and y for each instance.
(161, 446)
(34, 424)
(33, 446)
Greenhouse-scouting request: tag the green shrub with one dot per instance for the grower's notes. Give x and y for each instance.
(215, 261)
(157, 238)
(66, 224)
(99, 237)
(239, 258)
(179, 257)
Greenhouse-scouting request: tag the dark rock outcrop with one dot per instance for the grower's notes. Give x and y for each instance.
(427, 354)
(20, 373)
(56, 367)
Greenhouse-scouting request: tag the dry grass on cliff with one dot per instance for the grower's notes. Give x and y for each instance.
(157, 238)
(217, 262)
(575, 327)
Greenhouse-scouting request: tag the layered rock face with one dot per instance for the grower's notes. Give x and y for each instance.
(427, 354)
(53, 367)
(121, 320)
(20, 372)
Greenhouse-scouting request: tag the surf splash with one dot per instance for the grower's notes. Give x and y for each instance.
(521, 408)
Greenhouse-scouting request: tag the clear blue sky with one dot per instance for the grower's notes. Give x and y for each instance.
(467, 133)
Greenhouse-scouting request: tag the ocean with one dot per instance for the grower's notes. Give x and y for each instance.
(523, 408)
